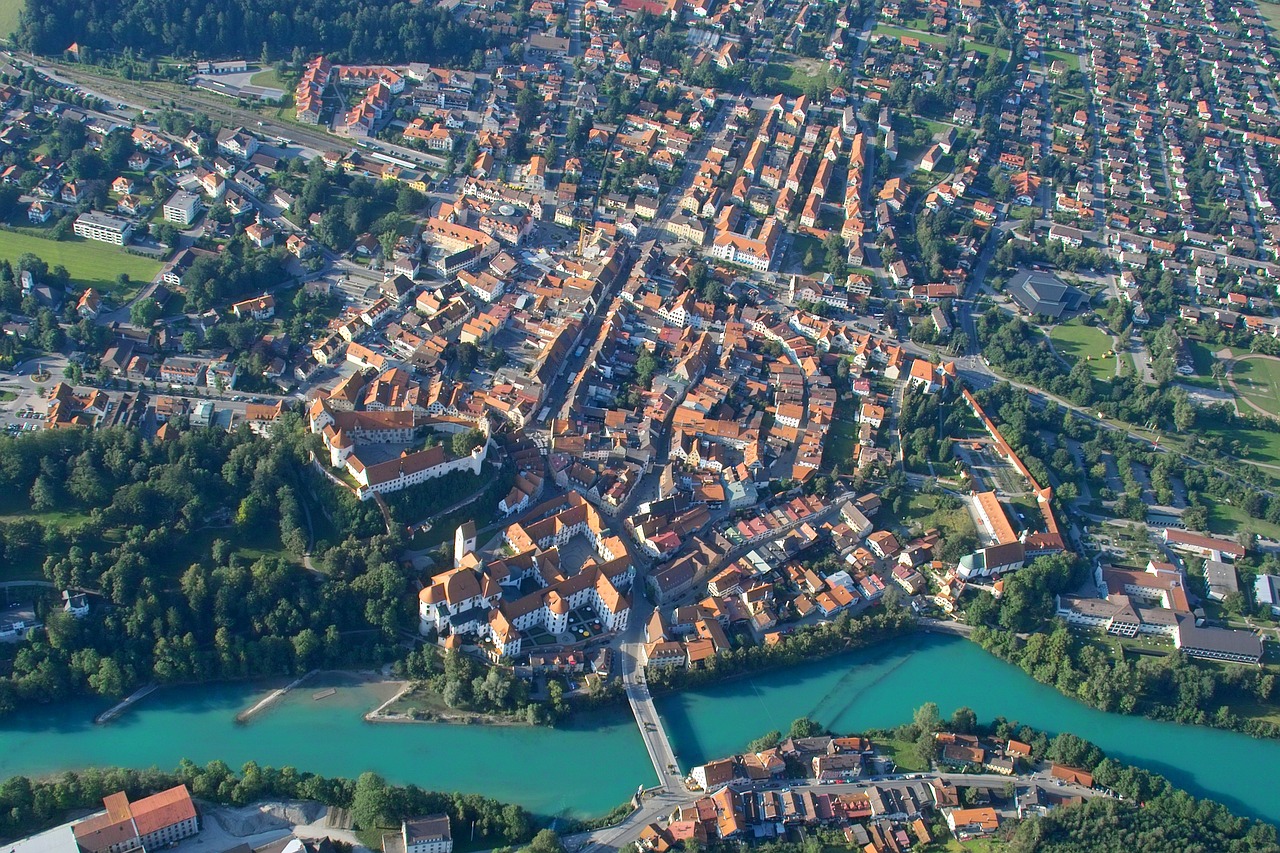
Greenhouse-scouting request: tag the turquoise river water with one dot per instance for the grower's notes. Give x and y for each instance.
(593, 766)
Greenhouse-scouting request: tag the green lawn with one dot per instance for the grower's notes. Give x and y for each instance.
(1258, 380)
(902, 32)
(91, 264)
(9, 10)
(1227, 520)
(923, 513)
(903, 754)
(985, 49)
(802, 245)
(270, 79)
(1068, 59)
(839, 444)
(1269, 11)
(1256, 445)
(976, 845)
(792, 76)
(1075, 341)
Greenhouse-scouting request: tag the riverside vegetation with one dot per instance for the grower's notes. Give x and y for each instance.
(465, 685)
(1168, 687)
(28, 806)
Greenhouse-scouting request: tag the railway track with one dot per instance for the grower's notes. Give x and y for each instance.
(159, 95)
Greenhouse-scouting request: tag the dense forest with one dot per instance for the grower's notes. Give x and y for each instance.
(152, 526)
(28, 805)
(350, 30)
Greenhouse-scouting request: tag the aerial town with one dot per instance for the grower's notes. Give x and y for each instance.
(654, 340)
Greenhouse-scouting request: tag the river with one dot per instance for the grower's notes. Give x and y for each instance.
(591, 767)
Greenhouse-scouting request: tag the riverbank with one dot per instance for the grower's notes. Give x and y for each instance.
(877, 687)
(842, 635)
(414, 702)
(271, 698)
(1102, 673)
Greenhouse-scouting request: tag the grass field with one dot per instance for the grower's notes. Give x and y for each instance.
(1075, 341)
(90, 263)
(1227, 520)
(900, 32)
(1269, 11)
(267, 78)
(1258, 380)
(975, 845)
(801, 246)
(1256, 445)
(9, 10)
(1068, 59)
(838, 448)
(792, 77)
(903, 754)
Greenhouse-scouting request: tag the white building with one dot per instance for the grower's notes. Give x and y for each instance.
(104, 228)
(181, 208)
(429, 834)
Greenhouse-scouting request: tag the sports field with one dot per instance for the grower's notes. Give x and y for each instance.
(1258, 380)
(90, 263)
(1075, 341)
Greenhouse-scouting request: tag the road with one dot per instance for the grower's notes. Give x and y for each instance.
(974, 372)
(652, 729)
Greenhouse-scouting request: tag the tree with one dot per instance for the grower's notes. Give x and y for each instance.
(646, 366)
(546, 841)
(144, 313)
(836, 263)
(927, 720)
(964, 721)
(463, 443)
(804, 727)
(767, 741)
(372, 800)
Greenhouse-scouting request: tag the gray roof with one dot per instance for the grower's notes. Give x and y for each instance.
(59, 840)
(1267, 589)
(431, 828)
(1219, 640)
(1043, 293)
(1221, 578)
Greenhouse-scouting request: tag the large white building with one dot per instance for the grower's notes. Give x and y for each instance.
(181, 208)
(343, 431)
(486, 602)
(103, 227)
(157, 821)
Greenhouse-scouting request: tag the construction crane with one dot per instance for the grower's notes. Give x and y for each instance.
(582, 239)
